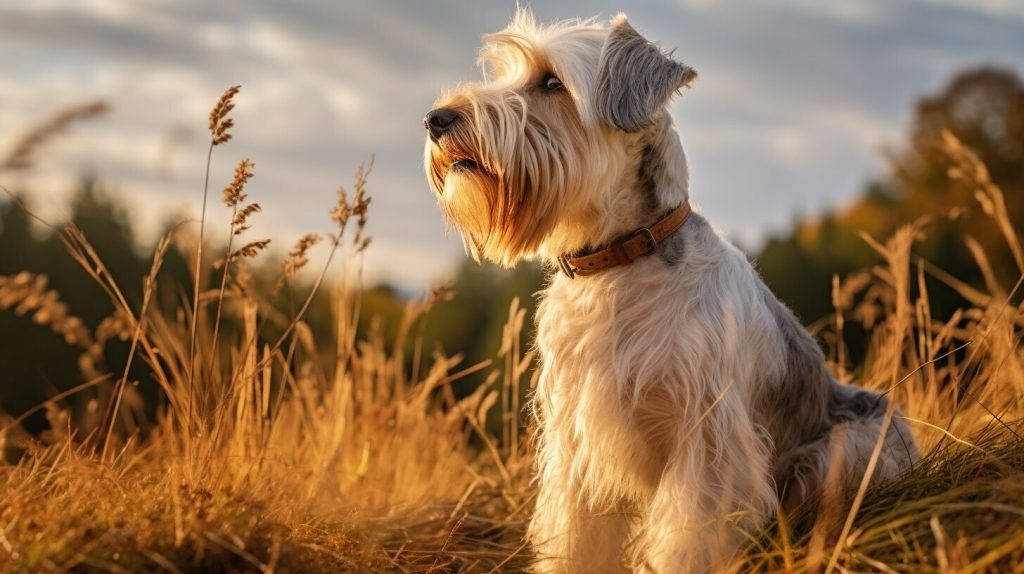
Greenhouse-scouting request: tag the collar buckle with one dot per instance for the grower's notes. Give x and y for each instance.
(565, 266)
(650, 241)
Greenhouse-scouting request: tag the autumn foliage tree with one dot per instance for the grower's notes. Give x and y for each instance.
(984, 109)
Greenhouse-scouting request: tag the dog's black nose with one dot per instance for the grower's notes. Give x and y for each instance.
(438, 121)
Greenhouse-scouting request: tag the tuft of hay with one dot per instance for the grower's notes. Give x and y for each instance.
(960, 510)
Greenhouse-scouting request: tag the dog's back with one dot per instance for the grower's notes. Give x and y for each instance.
(838, 423)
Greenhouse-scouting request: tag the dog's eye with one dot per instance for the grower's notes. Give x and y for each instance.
(552, 83)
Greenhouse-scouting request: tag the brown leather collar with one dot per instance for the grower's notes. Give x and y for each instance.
(627, 248)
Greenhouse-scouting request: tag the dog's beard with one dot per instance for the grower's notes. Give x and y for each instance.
(502, 176)
(465, 193)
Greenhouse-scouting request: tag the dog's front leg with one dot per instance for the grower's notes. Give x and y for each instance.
(709, 495)
(568, 538)
(601, 538)
(671, 539)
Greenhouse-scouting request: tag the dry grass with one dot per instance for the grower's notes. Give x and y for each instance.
(266, 455)
(960, 384)
(21, 155)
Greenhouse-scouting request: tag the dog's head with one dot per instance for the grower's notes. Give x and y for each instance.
(545, 155)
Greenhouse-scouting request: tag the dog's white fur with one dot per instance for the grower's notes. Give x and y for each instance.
(679, 402)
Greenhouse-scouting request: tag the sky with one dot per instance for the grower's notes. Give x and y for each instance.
(795, 103)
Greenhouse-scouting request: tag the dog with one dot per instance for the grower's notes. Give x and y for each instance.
(679, 403)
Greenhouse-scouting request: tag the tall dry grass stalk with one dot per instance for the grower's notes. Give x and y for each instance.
(21, 155)
(220, 125)
(275, 451)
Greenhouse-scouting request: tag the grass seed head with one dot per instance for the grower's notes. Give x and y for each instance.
(27, 294)
(220, 123)
(298, 256)
(22, 153)
(341, 211)
(241, 221)
(234, 193)
(248, 251)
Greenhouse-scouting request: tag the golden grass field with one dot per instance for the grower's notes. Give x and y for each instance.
(275, 457)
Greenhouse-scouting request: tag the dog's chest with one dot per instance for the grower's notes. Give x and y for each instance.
(609, 337)
(615, 379)
(649, 324)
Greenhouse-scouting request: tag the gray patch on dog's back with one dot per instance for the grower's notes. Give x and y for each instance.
(652, 163)
(851, 403)
(796, 409)
(653, 175)
(672, 250)
(801, 409)
(635, 79)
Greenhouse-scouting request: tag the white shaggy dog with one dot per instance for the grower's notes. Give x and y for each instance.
(679, 402)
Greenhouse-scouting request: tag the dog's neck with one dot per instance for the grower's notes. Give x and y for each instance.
(652, 180)
(660, 176)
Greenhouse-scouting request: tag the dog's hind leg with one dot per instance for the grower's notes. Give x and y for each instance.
(804, 474)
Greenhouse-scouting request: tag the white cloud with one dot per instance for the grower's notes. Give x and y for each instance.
(994, 8)
(858, 12)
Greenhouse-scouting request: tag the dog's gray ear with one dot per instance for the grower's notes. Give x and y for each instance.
(635, 78)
